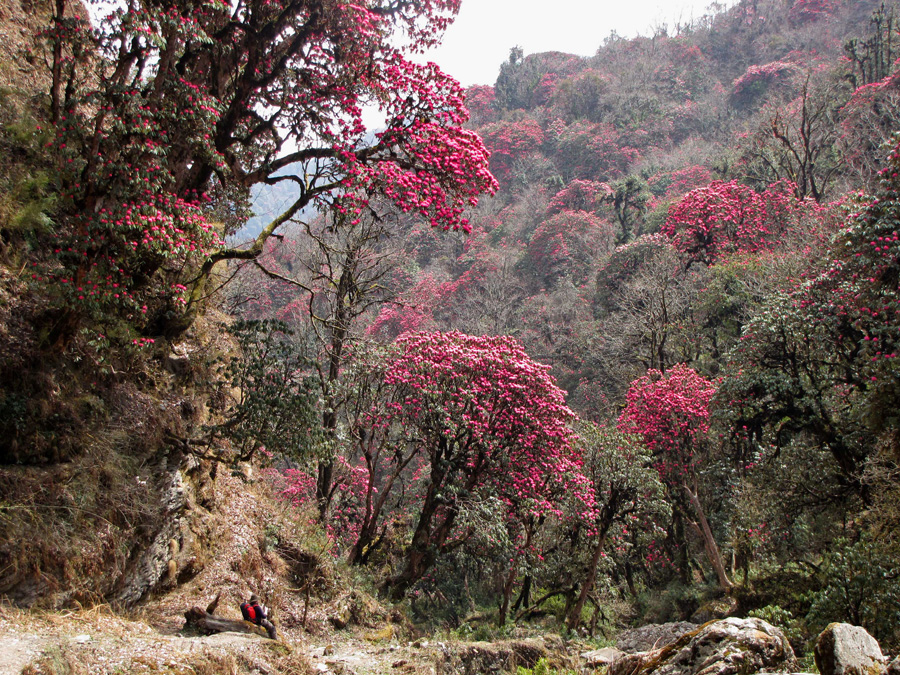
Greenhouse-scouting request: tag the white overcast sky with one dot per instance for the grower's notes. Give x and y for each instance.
(484, 31)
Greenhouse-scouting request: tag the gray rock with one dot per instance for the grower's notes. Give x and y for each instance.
(843, 649)
(601, 657)
(176, 549)
(652, 636)
(731, 646)
(893, 667)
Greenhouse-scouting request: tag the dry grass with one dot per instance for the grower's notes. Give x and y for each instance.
(66, 531)
(209, 663)
(56, 662)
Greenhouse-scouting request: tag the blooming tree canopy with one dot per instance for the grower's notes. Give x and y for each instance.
(670, 411)
(723, 218)
(483, 420)
(166, 114)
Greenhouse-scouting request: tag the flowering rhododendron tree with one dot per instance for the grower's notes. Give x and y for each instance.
(820, 364)
(674, 185)
(166, 114)
(475, 418)
(510, 141)
(757, 79)
(627, 494)
(721, 219)
(412, 311)
(670, 412)
(299, 486)
(566, 245)
(481, 102)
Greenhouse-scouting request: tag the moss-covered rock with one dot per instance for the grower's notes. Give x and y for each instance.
(843, 649)
(728, 647)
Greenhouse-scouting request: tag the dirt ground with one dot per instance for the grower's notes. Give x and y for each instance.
(97, 641)
(149, 638)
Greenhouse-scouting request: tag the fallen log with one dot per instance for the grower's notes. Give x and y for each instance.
(203, 621)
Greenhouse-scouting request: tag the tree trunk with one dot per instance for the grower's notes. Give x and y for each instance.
(507, 596)
(524, 598)
(324, 482)
(421, 553)
(705, 532)
(339, 329)
(573, 620)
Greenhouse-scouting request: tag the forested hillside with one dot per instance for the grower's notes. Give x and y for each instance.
(610, 341)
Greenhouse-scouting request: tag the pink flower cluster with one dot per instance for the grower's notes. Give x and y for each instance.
(670, 412)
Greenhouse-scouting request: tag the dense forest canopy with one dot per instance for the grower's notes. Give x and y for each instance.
(611, 325)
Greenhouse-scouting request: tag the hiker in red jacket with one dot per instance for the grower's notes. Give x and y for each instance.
(256, 612)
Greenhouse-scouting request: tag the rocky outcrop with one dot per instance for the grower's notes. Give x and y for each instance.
(601, 657)
(842, 649)
(728, 647)
(652, 636)
(179, 547)
(357, 608)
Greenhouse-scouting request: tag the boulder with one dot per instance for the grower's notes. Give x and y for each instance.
(731, 646)
(652, 636)
(600, 657)
(843, 649)
(181, 545)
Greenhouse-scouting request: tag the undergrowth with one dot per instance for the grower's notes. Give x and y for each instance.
(542, 667)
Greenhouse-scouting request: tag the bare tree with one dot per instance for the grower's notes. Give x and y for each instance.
(797, 141)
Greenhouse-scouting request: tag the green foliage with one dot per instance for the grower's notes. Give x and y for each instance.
(818, 364)
(27, 197)
(629, 201)
(780, 618)
(859, 587)
(542, 667)
(13, 412)
(676, 602)
(519, 84)
(274, 405)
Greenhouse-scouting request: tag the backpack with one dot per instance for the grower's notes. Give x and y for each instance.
(249, 612)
